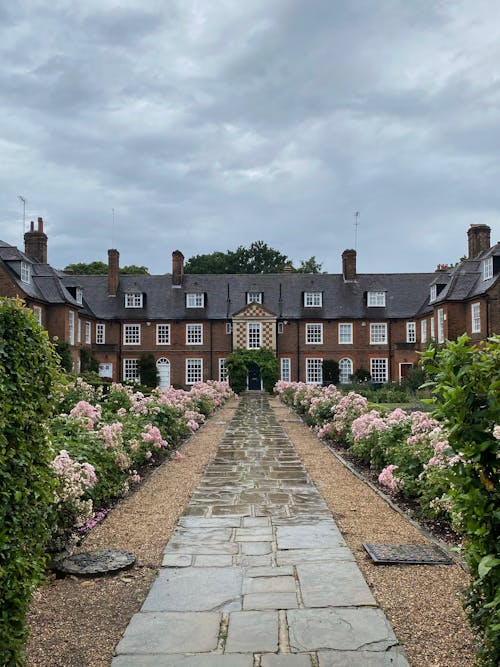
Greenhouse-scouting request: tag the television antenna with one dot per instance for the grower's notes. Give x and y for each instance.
(23, 201)
(356, 225)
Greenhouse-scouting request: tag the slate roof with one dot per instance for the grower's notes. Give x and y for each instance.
(465, 281)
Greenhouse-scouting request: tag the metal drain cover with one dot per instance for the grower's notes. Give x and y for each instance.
(407, 554)
(96, 563)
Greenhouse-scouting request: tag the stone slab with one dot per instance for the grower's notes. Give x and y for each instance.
(270, 601)
(324, 533)
(256, 548)
(209, 534)
(252, 632)
(344, 629)
(177, 560)
(227, 548)
(255, 522)
(254, 561)
(294, 556)
(286, 660)
(170, 632)
(392, 658)
(339, 584)
(206, 522)
(213, 560)
(269, 585)
(200, 660)
(195, 589)
(269, 571)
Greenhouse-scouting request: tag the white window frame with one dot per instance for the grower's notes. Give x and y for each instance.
(195, 300)
(488, 268)
(378, 333)
(475, 314)
(314, 333)
(423, 331)
(131, 370)
(194, 334)
(313, 299)
(163, 334)
(314, 370)
(194, 370)
(79, 296)
(25, 272)
(345, 333)
(281, 327)
(254, 335)
(79, 329)
(345, 377)
(379, 369)
(433, 293)
(376, 299)
(100, 334)
(229, 327)
(440, 325)
(433, 328)
(254, 297)
(411, 332)
(88, 333)
(71, 327)
(223, 374)
(131, 334)
(286, 369)
(133, 300)
(37, 312)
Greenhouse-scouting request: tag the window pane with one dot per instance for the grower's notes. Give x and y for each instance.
(285, 369)
(314, 333)
(254, 335)
(163, 334)
(314, 371)
(378, 370)
(345, 333)
(313, 299)
(194, 370)
(194, 334)
(378, 333)
(345, 368)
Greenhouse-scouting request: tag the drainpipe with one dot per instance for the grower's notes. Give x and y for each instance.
(298, 350)
(211, 350)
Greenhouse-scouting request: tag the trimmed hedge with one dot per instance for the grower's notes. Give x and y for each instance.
(28, 370)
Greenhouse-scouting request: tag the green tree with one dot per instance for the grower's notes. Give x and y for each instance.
(148, 370)
(309, 266)
(101, 268)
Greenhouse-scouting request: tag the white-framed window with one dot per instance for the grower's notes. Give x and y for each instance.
(423, 331)
(223, 377)
(475, 311)
(195, 300)
(314, 333)
(488, 268)
(25, 272)
(229, 327)
(37, 312)
(376, 299)
(79, 330)
(194, 370)
(100, 334)
(345, 370)
(281, 326)
(131, 370)
(433, 293)
(133, 300)
(254, 335)
(194, 334)
(345, 333)
(71, 327)
(440, 322)
(379, 369)
(88, 333)
(411, 332)
(313, 299)
(433, 328)
(79, 296)
(314, 371)
(286, 367)
(254, 297)
(378, 333)
(131, 334)
(163, 334)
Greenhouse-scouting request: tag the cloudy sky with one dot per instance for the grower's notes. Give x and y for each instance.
(208, 124)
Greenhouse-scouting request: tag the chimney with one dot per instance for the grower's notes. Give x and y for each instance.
(113, 271)
(479, 239)
(177, 268)
(35, 242)
(288, 268)
(349, 264)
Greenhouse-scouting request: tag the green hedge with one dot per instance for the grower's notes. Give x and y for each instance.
(28, 370)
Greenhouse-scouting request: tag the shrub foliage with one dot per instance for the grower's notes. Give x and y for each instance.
(239, 361)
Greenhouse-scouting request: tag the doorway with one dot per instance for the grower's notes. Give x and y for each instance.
(254, 379)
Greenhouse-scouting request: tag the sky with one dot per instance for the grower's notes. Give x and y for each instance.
(203, 125)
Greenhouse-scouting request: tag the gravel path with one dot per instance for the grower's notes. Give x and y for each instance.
(77, 623)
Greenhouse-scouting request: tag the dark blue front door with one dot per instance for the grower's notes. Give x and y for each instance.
(254, 377)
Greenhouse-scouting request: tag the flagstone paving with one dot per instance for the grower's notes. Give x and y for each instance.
(256, 573)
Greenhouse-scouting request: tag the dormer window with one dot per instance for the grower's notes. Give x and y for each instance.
(313, 299)
(254, 297)
(376, 299)
(195, 300)
(133, 300)
(488, 268)
(25, 272)
(79, 296)
(433, 293)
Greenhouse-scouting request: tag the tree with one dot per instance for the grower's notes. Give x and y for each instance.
(330, 372)
(257, 258)
(148, 370)
(101, 268)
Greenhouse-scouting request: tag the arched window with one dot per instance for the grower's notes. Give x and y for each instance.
(345, 370)
(163, 366)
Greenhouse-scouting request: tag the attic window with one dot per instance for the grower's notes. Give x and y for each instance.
(79, 296)
(25, 272)
(376, 299)
(195, 300)
(488, 268)
(254, 297)
(433, 293)
(313, 299)
(133, 300)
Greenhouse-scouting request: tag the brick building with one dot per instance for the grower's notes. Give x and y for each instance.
(190, 323)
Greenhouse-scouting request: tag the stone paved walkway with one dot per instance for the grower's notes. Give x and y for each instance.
(256, 573)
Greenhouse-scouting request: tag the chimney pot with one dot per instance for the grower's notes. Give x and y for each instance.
(113, 271)
(177, 268)
(40, 224)
(349, 264)
(35, 242)
(479, 239)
